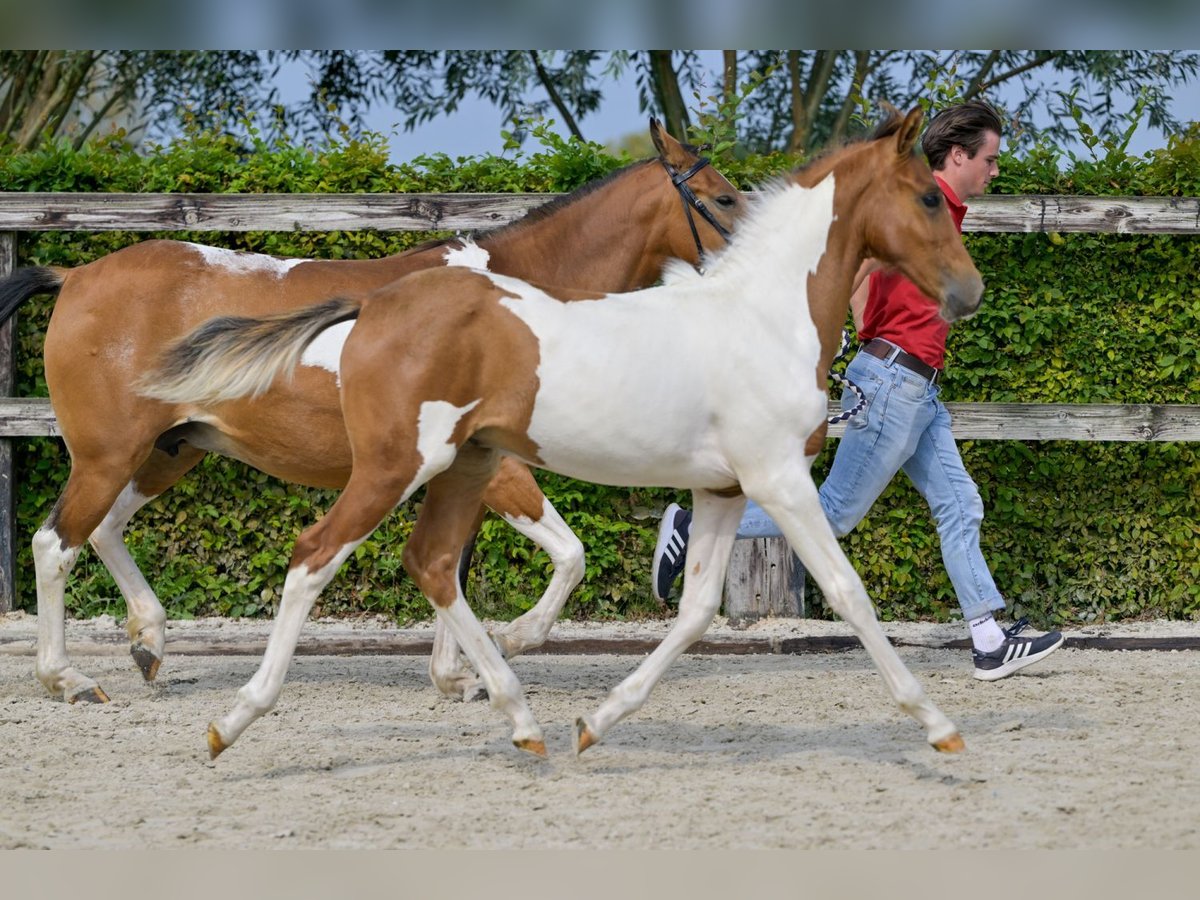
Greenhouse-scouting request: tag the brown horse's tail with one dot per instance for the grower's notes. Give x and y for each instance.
(24, 283)
(231, 356)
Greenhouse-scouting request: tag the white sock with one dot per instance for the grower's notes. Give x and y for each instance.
(986, 634)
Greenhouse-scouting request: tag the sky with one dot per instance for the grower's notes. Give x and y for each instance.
(631, 24)
(474, 129)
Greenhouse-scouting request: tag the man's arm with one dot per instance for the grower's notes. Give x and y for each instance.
(860, 289)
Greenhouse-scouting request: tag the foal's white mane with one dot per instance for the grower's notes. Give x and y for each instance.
(785, 212)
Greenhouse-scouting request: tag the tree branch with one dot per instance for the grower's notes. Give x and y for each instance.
(666, 91)
(818, 81)
(862, 68)
(1040, 59)
(985, 67)
(548, 84)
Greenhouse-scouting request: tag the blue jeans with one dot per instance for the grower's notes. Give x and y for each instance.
(905, 426)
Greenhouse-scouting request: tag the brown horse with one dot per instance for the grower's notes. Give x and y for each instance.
(715, 384)
(114, 316)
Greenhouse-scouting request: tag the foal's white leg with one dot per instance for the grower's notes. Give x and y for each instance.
(52, 563)
(714, 526)
(258, 696)
(146, 620)
(554, 536)
(447, 670)
(530, 629)
(501, 683)
(796, 509)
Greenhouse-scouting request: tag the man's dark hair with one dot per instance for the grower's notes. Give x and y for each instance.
(963, 125)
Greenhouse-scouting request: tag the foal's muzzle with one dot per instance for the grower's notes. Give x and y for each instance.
(961, 298)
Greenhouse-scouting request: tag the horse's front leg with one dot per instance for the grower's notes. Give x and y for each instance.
(795, 506)
(714, 526)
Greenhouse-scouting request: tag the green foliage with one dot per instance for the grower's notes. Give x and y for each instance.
(1075, 532)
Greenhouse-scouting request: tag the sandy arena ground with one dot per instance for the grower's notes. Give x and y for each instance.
(1093, 748)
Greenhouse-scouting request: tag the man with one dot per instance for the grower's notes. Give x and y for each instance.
(905, 426)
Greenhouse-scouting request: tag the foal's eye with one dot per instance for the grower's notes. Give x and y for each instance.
(726, 201)
(932, 199)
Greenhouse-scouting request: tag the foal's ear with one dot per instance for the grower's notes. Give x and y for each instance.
(668, 148)
(910, 130)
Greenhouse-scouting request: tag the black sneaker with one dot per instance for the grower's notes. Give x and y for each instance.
(671, 551)
(1015, 653)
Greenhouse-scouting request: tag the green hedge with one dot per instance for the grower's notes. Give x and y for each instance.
(1074, 531)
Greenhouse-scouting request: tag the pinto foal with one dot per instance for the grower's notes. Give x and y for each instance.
(716, 384)
(114, 316)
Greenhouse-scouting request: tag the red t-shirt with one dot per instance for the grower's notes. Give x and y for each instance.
(898, 312)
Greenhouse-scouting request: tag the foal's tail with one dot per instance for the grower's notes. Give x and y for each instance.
(24, 283)
(232, 356)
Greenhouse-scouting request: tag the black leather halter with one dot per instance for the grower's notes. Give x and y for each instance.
(690, 202)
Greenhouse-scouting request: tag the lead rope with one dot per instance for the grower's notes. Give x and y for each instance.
(847, 414)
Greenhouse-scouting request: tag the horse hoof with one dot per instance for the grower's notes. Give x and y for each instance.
(952, 744)
(584, 736)
(146, 661)
(536, 746)
(216, 744)
(90, 695)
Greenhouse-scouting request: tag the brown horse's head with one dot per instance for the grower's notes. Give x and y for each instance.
(910, 227)
(887, 190)
(711, 203)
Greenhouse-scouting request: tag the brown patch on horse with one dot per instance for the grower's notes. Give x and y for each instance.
(514, 485)
(816, 440)
(496, 358)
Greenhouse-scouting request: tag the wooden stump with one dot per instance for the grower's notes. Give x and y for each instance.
(765, 578)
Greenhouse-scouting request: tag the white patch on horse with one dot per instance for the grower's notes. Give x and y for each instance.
(469, 255)
(325, 350)
(435, 426)
(682, 423)
(243, 263)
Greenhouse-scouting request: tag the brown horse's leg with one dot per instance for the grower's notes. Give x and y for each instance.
(447, 515)
(146, 619)
(92, 489)
(514, 494)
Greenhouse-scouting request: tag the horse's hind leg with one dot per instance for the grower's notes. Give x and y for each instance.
(514, 494)
(319, 553)
(431, 558)
(146, 619)
(90, 493)
(448, 668)
(714, 526)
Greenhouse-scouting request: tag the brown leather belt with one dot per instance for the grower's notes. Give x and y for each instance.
(881, 349)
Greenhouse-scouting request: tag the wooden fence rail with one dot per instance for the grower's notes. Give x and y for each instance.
(764, 579)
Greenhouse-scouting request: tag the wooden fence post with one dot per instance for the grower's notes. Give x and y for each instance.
(8, 259)
(765, 578)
